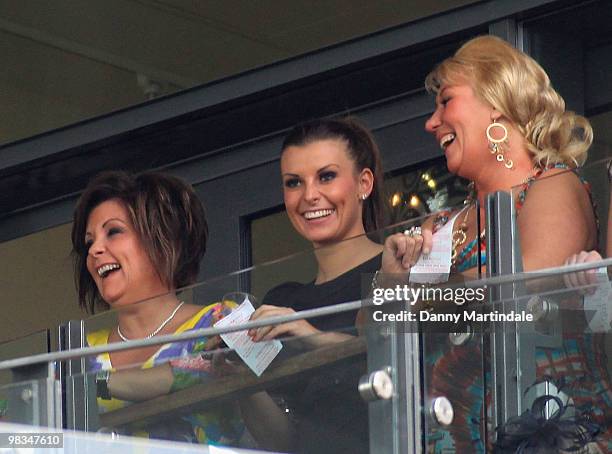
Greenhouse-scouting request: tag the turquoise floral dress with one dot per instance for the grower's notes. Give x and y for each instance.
(580, 364)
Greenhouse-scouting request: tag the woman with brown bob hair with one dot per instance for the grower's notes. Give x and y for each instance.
(137, 239)
(165, 213)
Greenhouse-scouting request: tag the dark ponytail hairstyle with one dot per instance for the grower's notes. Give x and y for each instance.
(361, 148)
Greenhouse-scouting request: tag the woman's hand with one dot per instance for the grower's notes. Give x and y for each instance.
(402, 250)
(298, 328)
(308, 335)
(582, 278)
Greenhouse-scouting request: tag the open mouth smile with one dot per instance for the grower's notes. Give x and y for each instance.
(446, 140)
(317, 214)
(104, 270)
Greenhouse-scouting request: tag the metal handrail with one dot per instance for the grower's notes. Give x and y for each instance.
(307, 314)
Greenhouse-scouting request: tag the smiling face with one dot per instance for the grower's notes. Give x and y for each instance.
(459, 124)
(117, 260)
(322, 190)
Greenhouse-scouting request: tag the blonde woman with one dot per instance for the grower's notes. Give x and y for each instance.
(502, 126)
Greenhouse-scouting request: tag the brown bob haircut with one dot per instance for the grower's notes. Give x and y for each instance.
(165, 212)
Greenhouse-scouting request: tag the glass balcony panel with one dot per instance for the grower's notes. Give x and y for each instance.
(31, 402)
(452, 347)
(562, 369)
(307, 397)
(409, 338)
(324, 371)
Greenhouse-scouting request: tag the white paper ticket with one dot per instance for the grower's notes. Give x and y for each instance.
(256, 355)
(434, 268)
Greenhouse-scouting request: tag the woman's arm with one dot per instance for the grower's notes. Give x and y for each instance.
(137, 384)
(307, 334)
(264, 419)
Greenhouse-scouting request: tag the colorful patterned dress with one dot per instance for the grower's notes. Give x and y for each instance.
(580, 364)
(219, 426)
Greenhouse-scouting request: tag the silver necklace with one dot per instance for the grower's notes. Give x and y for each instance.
(159, 328)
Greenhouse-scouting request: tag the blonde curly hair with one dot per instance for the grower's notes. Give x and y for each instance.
(517, 86)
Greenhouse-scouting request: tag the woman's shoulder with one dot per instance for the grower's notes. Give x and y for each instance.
(553, 184)
(553, 175)
(557, 187)
(556, 218)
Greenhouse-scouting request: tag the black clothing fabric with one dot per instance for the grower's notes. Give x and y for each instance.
(346, 287)
(331, 417)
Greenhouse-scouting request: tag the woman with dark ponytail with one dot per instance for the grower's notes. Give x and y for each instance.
(332, 186)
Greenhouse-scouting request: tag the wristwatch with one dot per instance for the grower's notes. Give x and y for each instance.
(102, 390)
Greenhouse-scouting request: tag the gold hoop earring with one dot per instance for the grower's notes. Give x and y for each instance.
(496, 145)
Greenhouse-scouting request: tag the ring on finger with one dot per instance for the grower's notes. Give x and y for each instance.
(413, 231)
